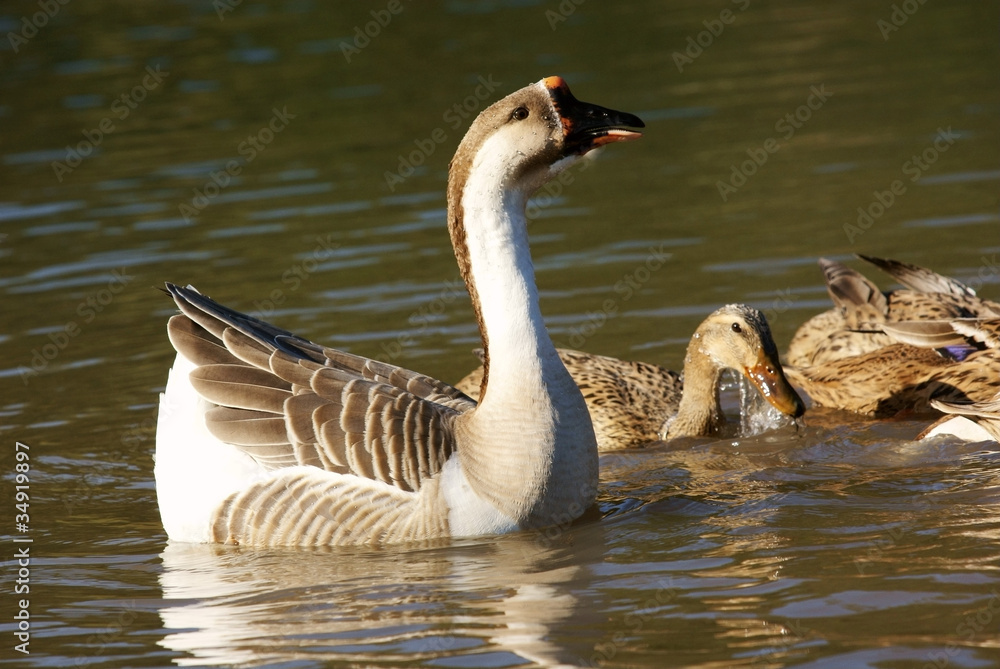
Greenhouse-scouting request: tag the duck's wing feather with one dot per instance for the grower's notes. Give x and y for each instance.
(925, 334)
(986, 408)
(287, 401)
(919, 278)
(984, 331)
(860, 301)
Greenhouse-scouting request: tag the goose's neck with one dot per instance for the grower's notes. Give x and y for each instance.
(700, 411)
(532, 423)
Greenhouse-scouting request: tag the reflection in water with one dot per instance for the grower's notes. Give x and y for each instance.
(471, 600)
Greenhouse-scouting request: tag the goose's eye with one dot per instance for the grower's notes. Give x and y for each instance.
(519, 114)
(737, 328)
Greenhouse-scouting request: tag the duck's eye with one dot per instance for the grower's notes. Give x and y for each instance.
(519, 114)
(737, 328)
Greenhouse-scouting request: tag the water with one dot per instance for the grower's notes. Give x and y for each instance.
(837, 542)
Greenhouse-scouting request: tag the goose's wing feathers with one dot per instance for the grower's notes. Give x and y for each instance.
(287, 401)
(919, 278)
(308, 507)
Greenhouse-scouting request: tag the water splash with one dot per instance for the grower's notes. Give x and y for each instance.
(756, 413)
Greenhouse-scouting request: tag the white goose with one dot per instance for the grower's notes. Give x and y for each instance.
(265, 438)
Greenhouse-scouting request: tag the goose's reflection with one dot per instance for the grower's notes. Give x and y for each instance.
(488, 603)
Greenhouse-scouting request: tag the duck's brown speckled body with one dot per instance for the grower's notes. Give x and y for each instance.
(898, 377)
(853, 326)
(878, 354)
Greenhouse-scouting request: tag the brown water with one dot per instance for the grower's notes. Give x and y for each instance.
(838, 544)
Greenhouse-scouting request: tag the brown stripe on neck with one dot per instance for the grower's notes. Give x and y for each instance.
(458, 175)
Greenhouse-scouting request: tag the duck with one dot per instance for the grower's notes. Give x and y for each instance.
(854, 326)
(969, 421)
(954, 361)
(265, 438)
(634, 404)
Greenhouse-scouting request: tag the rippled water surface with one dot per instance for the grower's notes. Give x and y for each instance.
(837, 543)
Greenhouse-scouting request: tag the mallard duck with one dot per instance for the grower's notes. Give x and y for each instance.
(950, 361)
(971, 421)
(265, 438)
(854, 326)
(634, 403)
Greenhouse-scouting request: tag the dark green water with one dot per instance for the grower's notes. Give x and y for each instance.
(842, 544)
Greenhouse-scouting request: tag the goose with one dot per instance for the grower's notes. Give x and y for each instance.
(854, 326)
(635, 403)
(267, 439)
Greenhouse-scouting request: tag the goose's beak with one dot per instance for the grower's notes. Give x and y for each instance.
(769, 379)
(587, 126)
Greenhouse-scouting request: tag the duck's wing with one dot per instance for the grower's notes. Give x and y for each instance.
(983, 331)
(956, 338)
(925, 334)
(985, 409)
(919, 278)
(985, 414)
(287, 401)
(860, 301)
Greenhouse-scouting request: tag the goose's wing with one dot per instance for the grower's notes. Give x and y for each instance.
(304, 506)
(919, 278)
(287, 401)
(859, 300)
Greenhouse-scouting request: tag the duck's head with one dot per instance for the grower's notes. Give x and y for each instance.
(534, 133)
(738, 337)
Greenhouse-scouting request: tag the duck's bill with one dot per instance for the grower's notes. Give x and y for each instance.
(769, 380)
(587, 126)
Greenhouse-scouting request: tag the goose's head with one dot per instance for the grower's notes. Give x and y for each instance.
(738, 337)
(534, 133)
